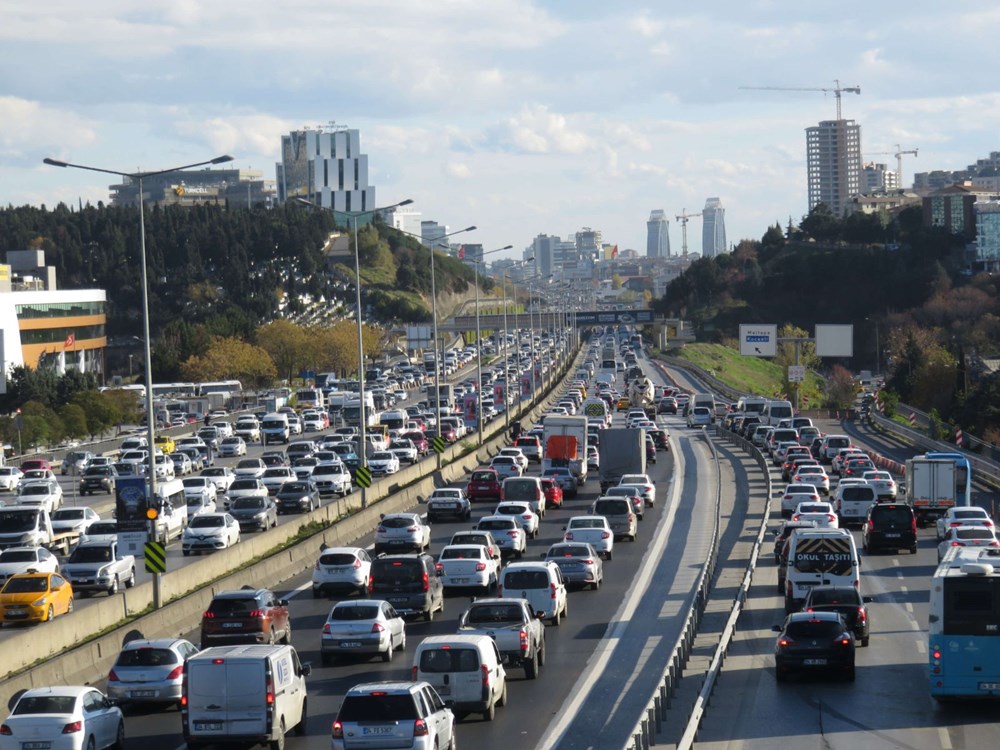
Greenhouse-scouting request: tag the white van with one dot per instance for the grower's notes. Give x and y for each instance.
(459, 667)
(541, 583)
(171, 508)
(775, 411)
(703, 399)
(819, 557)
(248, 693)
(275, 428)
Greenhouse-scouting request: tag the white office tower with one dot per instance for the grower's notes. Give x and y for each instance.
(878, 178)
(713, 228)
(657, 235)
(833, 153)
(325, 166)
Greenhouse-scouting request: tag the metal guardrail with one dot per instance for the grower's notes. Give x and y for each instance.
(659, 703)
(718, 659)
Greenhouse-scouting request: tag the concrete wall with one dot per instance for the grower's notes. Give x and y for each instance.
(188, 595)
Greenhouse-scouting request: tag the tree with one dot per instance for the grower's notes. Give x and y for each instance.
(231, 358)
(74, 421)
(289, 346)
(840, 390)
(616, 281)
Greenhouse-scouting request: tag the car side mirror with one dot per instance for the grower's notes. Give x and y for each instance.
(306, 669)
(776, 628)
(282, 602)
(868, 599)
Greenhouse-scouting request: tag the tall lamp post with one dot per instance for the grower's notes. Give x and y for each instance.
(150, 417)
(531, 330)
(479, 346)
(506, 342)
(362, 410)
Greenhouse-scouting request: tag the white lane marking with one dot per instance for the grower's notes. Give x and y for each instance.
(921, 646)
(904, 589)
(899, 574)
(652, 642)
(945, 738)
(909, 607)
(895, 562)
(598, 662)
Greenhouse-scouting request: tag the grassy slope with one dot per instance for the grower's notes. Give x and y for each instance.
(747, 374)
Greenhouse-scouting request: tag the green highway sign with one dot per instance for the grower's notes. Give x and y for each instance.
(156, 557)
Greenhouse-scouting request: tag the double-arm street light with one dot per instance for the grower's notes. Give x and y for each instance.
(531, 330)
(150, 417)
(506, 342)
(479, 344)
(362, 410)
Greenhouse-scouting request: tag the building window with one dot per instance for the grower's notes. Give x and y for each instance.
(60, 309)
(58, 336)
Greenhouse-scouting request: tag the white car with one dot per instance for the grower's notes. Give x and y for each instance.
(341, 570)
(199, 504)
(467, 565)
(312, 421)
(820, 514)
(967, 536)
(225, 429)
(275, 476)
(508, 533)
(47, 494)
(814, 475)
(250, 468)
(10, 478)
(182, 464)
(645, 485)
(700, 416)
(594, 530)
(75, 519)
(16, 560)
(332, 478)
(63, 718)
(383, 462)
(402, 532)
(795, 494)
(593, 459)
(208, 532)
(404, 450)
(882, 481)
(101, 531)
(245, 487)
(506, 466)
(524, 514)
(232, 446)
(518, 455)
(222, 477)
(363, 626)
(164, 466)
(202, 488)
(971, 515)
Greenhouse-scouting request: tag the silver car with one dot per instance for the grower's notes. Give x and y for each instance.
(362, 626)
(578, 562)
(150, 671)
(402, 532)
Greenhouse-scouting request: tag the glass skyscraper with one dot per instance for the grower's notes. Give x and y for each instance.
(713, 228)
(657, 235)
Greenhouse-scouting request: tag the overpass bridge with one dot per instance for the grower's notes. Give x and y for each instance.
(550, 319)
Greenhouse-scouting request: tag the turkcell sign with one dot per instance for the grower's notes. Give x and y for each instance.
(758, 340)
(614, 317)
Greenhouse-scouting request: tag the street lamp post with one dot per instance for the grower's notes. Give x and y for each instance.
(531, 330)
(362, 410)
(150, 417)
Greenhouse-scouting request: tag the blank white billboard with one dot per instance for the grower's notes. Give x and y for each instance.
(834, 340)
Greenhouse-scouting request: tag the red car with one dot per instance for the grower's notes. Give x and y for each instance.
(483, 485)
(419, 440)
(553, 493)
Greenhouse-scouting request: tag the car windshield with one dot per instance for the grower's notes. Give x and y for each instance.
(893, 514)
(359, 612)
(461, 553)
(35, 489)
(447, 660)
(493, 613)
(18, 556)
(206, 522)
(838, 595)
(69, 514)
(365, 709)
(26, 585)
(293, 488)
(245, 503)
(249, 463)
(45, 704)
(814, 629)
(337, 558)
(497, 524)
(397, 522)
(526, 579)
(610, 508)
(147, 656)
(195, 482)
(587, 523)
(278, 471)
(973, 533)
(102, 527)
(220, 472)
(569, 551)
(12, 521)
(244, 484)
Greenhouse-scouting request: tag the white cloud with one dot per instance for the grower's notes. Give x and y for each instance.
(458, 171)
(29, 125)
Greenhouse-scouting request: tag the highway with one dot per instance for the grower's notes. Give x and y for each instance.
(603, 654)
(889, 705)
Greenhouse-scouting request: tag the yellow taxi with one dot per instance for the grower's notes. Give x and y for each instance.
(166, 444)
(623, 404)
(35, 597)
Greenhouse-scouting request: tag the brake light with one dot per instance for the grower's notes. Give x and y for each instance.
(357, 563)
(174, 673)
(377, 627)
(785, 642)
(831, 517)
(439, 566)
(526, 516)
(605, 535)
(427, 583)
(486, 675)
(420, 728)
(269, 690)
(568, 536)
(524, 640)
(953, 524)
(338, 729)
(380, 530)
(72, 727)
(208, 615)
(871, 525)
(414, 671)
(480, 566)
(913, 525)
(112, 677)
(513, 533)
(957, 544)
(862, 614)
(4, 729)
(552, 590)
(845, 641)
(257, 613)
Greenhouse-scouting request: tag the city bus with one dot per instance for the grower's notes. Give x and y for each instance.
(963, 629)
(310, 398)
(230, 387)
(161, 390)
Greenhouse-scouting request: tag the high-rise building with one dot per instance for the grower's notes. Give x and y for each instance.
(713, 228)
(878, 178)
(405, 220)
(543, 247)
(433, 234)
(833, 153)
(326, 167)
(657, 235)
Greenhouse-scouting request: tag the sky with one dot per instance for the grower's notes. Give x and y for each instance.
(522, 117)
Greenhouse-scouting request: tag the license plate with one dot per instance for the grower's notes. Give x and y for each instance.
(814, 662)
(460, 580)
(443, 690)
(982, 686)
(16, 613)
(350, 644)
(893, 536)
(376, 730)
(208, 726)
(142, 694)
(399, 541)
(232, 624)
(36, 745)
(397, 600)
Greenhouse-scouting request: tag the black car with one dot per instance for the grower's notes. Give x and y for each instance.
(254, 513)
(890, 526)
(98, 479)
(845, 600)
(814, 642)
(409, 583)
(298, 496)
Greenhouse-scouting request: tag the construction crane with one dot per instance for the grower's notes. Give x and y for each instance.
(899, 153)
(837, 90)
(683, 217)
